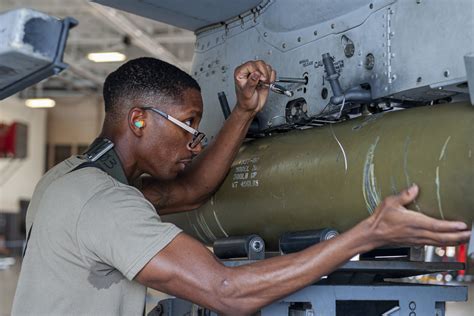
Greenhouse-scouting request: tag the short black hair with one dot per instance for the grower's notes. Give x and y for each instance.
(143, 77)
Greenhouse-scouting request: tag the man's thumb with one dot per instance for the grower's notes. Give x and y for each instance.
(408, 195)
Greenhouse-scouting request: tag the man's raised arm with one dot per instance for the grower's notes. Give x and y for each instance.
(208, 170)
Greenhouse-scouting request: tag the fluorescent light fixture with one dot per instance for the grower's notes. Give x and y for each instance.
(40, 103)
(106, 57)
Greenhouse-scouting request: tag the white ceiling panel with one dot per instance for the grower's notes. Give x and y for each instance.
(103, 28)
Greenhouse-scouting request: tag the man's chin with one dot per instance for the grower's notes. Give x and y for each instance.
(170, 175)
(180, 172)
(182, 166)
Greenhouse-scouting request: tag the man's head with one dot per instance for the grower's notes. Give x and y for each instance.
(144, 79)
(148, 140)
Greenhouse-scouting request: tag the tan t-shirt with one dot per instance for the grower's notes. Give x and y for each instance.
(91, 236)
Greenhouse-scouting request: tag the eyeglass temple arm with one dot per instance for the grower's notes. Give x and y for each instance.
(186, 127)
(177, 122)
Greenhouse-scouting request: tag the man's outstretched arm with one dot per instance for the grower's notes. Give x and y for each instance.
(209, 168)
(187, 269)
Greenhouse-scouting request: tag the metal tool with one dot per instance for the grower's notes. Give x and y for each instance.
(292, 80)
(224, 104)
(277, 88)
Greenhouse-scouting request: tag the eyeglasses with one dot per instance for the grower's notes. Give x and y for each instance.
(197, 135)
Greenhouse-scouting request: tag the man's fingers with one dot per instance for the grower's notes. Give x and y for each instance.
(444, 239)
(244, 70)
(252, 70)
(269, 71)
(422, 221)
(437, 225)
(253, 80)
(426, 237)
(248, 76)
(272, 75)
(262, 67)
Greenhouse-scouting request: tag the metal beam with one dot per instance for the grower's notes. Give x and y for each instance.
(95, 41)
(139, 37)
(83, 72)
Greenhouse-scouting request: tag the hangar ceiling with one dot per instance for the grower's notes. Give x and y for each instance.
(103, 29)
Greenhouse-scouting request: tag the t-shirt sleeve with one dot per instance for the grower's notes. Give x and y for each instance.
(120, 228)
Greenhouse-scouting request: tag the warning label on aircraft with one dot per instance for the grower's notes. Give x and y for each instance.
(245, 174)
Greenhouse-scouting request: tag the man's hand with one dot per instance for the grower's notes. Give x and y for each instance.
(251, 96)
(393, 224)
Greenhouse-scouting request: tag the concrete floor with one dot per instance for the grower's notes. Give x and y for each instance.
(9, 277)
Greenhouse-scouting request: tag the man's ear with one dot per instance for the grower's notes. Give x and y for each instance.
(137, 121)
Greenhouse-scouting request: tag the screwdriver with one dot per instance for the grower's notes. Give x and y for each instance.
(277, 88)
(292, 80)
